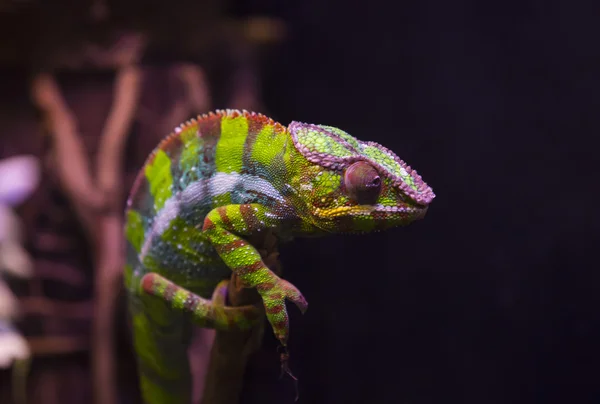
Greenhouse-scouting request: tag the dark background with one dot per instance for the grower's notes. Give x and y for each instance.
(493, 297)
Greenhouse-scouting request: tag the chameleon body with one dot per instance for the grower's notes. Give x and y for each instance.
(213, 183)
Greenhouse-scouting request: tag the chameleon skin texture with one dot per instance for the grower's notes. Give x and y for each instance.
(213, 183)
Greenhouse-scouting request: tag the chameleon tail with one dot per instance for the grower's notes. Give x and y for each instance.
(161, 342)
(161, 337)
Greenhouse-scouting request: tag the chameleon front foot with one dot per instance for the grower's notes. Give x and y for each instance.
(274, 295)
(224, 227)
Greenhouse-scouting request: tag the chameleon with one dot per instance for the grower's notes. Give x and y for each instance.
(209, 186)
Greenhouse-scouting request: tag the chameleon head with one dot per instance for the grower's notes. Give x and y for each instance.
(352, 186)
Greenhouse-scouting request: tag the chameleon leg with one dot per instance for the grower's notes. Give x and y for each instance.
(204, 313)
(224, 227)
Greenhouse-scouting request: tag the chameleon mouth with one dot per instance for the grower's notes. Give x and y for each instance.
(403, 208)
(417, 212)
(406, 209)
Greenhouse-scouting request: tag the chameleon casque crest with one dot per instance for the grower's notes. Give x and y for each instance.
(213, 183)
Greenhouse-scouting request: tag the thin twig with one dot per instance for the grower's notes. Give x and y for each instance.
(54, 270)
(196, 85)
(57, 345)
(195, 100)
(43, 306)
(69, 153)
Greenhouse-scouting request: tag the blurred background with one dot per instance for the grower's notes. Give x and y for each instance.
(493, 298)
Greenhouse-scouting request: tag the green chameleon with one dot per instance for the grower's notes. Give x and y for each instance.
(211, 185)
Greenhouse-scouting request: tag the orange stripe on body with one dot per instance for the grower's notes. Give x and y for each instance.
(222, 211)
(249, 269)
(208, 224)
(249, 217)
(222, 248)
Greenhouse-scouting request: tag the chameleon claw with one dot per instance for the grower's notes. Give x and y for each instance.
(292, 293)
(285, 368)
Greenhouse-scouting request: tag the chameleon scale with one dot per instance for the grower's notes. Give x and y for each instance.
(212, 184)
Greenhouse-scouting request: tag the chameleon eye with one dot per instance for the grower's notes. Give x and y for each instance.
(363, 183)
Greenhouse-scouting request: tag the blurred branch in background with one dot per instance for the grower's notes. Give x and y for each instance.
(162, 68)
(97, 197)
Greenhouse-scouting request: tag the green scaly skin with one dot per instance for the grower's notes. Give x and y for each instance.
(208, 187)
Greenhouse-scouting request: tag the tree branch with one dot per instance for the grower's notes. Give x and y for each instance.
(53, 308)
(70, 158)
(109, 254)
(46, 269)
(231, 350)
(57, 345)
(97, 201)
(117, 127)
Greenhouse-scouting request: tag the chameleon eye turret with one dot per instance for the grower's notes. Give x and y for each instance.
(362, 183)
